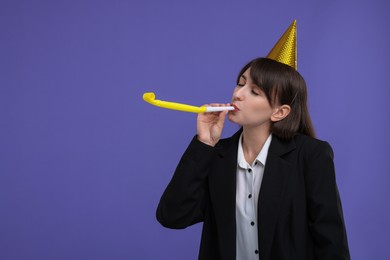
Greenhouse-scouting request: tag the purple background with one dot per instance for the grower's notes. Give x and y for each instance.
(83, 160)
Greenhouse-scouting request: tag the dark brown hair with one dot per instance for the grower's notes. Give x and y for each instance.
(282, 84)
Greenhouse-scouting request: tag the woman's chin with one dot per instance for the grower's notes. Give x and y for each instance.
(233, 118)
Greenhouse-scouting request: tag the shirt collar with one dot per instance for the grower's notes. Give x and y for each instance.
(261, 157)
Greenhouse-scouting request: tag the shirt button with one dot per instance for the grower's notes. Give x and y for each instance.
(250, 196)
(252, 223)
(256, 251)
(249, 170)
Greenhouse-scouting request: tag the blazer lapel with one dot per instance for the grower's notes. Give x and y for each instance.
(276, 175)
(223, 194)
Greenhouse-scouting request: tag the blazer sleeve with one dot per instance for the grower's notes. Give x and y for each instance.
(326, 221)
(184, 200)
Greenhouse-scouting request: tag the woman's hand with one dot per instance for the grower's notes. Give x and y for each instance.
(210, 125)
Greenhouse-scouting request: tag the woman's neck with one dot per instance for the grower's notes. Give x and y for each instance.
(253, 140)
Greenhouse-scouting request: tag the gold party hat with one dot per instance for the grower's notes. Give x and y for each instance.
(285, 50)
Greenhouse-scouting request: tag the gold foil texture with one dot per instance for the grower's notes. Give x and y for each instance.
(285, 50)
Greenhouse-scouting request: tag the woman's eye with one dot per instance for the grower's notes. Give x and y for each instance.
(240, 84)
(255, 93)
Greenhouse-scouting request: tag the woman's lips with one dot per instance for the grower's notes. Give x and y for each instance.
(235, 107)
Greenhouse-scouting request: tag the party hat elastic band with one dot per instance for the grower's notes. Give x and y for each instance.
(285, 50)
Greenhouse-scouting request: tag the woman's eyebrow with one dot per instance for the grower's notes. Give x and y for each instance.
(242, 76)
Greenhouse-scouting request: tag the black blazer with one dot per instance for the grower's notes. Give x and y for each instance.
(299, 209)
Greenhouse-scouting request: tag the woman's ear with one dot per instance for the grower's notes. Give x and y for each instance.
(280, 113)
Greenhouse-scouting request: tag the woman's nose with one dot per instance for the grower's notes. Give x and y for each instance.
(238, 94)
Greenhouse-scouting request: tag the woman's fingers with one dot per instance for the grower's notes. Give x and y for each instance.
(210, 125)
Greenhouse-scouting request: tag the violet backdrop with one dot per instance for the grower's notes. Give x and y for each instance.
(84, 160)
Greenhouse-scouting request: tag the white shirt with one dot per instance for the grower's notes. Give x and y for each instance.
(249, 179)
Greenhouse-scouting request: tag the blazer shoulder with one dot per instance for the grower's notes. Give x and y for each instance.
(307, 141)
(310, 145)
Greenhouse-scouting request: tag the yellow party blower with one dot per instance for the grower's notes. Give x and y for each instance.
(150, 98)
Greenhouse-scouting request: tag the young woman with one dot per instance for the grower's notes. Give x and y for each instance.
(267, 192)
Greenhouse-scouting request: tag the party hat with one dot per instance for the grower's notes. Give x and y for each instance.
(285, 50)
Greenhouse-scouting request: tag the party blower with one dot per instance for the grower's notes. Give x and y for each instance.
(150, 98)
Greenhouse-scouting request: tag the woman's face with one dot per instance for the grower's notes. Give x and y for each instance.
(252, 106)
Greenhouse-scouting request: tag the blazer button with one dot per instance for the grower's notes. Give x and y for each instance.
(252, 223)
(256, 251)
(250, 196)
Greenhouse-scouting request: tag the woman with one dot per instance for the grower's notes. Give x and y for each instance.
(267, 192)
